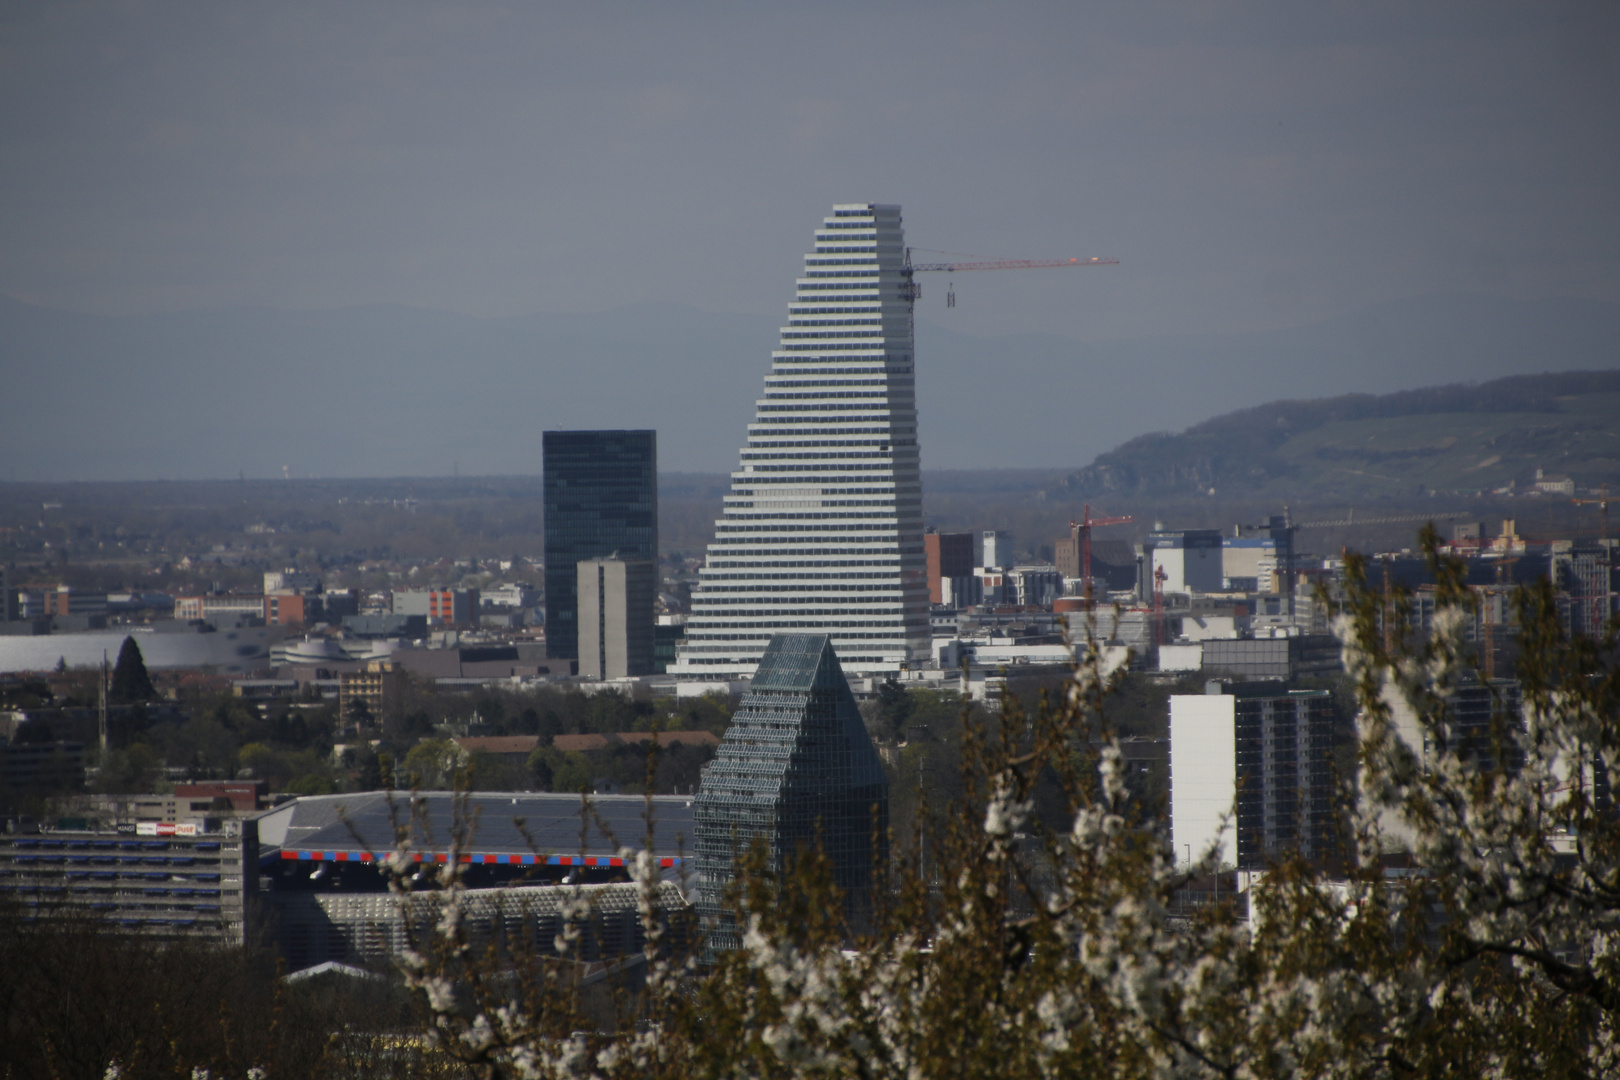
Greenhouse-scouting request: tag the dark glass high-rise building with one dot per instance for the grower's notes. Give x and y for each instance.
(601, 499)
(796, 767)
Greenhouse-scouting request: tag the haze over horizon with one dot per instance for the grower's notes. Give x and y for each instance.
(1268, 174)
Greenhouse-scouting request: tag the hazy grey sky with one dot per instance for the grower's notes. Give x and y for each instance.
(1254, 164)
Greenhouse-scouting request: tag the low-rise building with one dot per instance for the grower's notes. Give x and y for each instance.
(210, 607)
(440, 607)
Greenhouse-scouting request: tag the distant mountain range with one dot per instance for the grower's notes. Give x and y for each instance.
(393, 391)
(1455, 440)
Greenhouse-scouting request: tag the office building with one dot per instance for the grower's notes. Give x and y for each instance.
(1585, 579)
(995, 548)
(440, 607)
(369, 696)
(1299, 656)
(1190, 558)
(961, 592)
(615, 598)
(1034, 586)
(1481, 719)
(167, 879)
(601, 493)
(822, 531)
(1263, 750)
(288, 608)
(796, 767)
(1249, 563)
(949, 556)
(213, 606)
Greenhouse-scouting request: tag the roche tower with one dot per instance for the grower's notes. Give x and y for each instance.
(823, 531)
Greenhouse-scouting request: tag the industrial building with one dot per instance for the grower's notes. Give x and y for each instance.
(795, 768)
(601, 499)
(822, 531)
(1265, 751)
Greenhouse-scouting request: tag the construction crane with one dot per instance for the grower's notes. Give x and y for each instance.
(1351, 520)
(1159, 578)
(1491, 597)
(913, 291)
(1602, 503)
(1081, 530)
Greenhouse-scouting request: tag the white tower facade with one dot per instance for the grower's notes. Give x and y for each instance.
(823, 529)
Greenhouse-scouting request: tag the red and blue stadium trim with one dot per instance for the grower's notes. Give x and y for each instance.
(475, 858)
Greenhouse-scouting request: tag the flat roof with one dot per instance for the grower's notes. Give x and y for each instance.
(508, 827)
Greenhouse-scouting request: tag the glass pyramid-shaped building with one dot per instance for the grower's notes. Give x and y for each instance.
(796, 759)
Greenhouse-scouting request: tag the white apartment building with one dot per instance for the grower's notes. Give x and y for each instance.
(823, 530)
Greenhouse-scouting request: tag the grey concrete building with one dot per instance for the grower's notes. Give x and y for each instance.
(615, 599)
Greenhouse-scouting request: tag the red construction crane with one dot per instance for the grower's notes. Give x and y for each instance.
(1081, 530)
(975, 263)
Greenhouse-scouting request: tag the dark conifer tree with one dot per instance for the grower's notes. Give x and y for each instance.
(130, 682)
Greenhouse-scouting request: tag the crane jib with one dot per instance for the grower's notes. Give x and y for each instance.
(1008, 264)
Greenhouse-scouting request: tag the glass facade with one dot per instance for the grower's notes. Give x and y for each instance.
(601, 490)
(796, 762)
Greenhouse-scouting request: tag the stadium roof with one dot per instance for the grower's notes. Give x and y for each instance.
(509, 827)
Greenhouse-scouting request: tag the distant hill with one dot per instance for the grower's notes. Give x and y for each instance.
(395, 391)
(1460, 440)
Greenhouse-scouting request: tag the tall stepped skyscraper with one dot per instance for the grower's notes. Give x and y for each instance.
(823, 528)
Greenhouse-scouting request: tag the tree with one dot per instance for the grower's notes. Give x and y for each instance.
(130, 682)
(893, 709)
(1028, 950)
(135, 770)
(434, 764)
